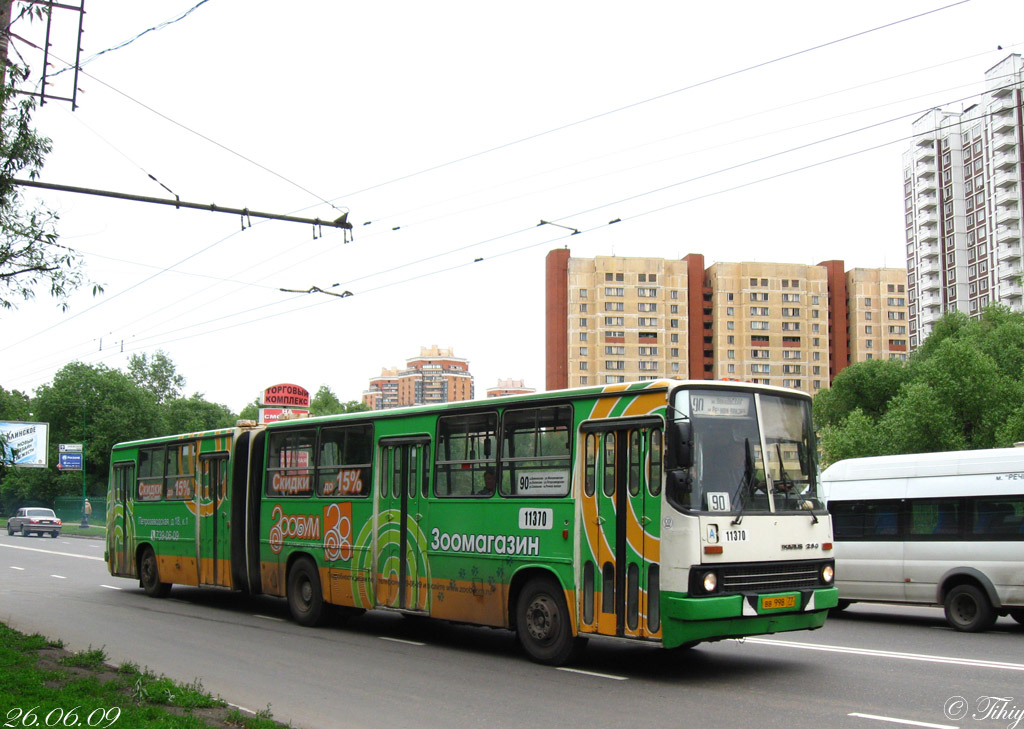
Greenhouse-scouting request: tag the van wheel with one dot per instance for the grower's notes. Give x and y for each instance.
(149, 575)
(968, 609)
(543, 625)
(305, 598)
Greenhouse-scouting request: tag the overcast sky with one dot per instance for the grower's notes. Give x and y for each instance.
(741, 131)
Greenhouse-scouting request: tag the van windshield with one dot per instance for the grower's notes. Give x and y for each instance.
(751, 452)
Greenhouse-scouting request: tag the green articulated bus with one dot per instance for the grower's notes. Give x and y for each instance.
(663, 511)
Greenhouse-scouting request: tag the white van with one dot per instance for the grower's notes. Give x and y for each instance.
(932, 529)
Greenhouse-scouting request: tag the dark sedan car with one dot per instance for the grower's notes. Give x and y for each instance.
(34, 520)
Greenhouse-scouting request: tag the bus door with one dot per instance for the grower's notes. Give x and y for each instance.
(121, 531)
(622, 471)
(401, 576)
(214, 515)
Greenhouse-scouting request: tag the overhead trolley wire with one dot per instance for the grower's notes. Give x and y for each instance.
(635, 104)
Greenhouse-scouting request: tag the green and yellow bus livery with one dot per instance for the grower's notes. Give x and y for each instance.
(663, 511)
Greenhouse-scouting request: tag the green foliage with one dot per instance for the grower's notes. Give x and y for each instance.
(325, 402)
(919, 420)
(854, 436)
(251, 411)
(157, 374)
(866, 386)
(192, 414)
(963, 388)
(90, 658)
(85, 403)
(14, 405)
(78, 690)
(30, 255)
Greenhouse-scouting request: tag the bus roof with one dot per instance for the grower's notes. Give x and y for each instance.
(536, 397)
(913, 465)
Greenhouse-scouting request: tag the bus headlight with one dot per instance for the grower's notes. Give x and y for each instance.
(710, 582)
(827, 574)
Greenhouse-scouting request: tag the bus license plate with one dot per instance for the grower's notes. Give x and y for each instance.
(775, 603)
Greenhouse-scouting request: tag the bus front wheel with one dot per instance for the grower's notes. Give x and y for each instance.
(1017, 614)
(149, 576)
(968, 609)
(305, 598)
(543, 625)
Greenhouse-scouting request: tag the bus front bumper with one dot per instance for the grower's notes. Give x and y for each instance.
(688, 619)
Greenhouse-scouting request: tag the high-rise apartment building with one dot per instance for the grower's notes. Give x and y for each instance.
(771, 323)
(435, 376)
(510, 387)
(877, 313)
(962, 183)
(613, 319)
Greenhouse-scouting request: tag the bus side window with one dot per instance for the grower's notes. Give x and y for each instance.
(344, 466)
(466, 454)
(151, 474)
(536, 448)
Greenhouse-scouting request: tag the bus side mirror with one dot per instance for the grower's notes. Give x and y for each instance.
(679, 449)
(679, 484)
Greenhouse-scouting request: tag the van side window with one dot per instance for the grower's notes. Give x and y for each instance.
(997, 517)
(865, 520)
(934, 517)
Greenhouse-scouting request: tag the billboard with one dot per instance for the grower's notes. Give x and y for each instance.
(25, 444)
(285, 395)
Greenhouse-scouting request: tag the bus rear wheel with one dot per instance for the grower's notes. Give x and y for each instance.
(543, 625)
(968, 610)
(149, 576)
(305, 598)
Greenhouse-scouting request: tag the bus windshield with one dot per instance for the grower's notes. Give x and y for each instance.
(751, 452)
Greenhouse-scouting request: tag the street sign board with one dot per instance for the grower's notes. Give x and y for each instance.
(69, 462)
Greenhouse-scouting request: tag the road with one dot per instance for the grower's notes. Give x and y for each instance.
(872, 667)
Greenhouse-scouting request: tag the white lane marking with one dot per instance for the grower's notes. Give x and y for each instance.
(399, 640)
(268, 617)
(111, 587)
(20, 569)
(50, 551)
(592, 673)
(59, 577)
(893, 720)
(890, 654)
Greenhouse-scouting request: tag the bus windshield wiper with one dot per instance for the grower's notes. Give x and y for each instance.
(748, 474)
(784, 479)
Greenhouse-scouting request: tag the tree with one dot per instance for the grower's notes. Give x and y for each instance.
(14, 406)
(325, 402)
(85, 403)
(963, 388)
(30, 255)
(157, 374)
(920, 420)
(865, 386)
(190, 415)
(251, 411)
(855, 436)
